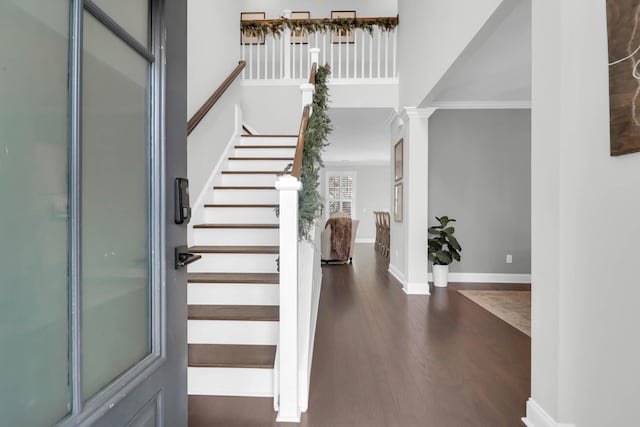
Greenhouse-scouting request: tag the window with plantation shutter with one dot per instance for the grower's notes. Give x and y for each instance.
(341, 193)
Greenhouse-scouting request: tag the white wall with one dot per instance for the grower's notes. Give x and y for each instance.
(585, 227)
(213, 52)
(372, 193)
(363, 8)
(431, 35)
(272, 109)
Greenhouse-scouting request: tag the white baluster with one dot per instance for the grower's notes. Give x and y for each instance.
(371, 55)
(386, 54)
(347, 57)
(324, 47)
(244, 58)
(331, 41)
(301, 59)
(251, 61)
(395, 53)
(364, 37)
(273, 58)
(340, 56)
(258, 49)
(286, 48)
(379, 52)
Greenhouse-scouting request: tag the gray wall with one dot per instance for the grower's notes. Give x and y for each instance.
(480, 174)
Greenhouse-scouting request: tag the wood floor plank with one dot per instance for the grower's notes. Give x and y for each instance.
(232, 356)
(235, 249)
(263, 313)
(252, 278)
(383, 358)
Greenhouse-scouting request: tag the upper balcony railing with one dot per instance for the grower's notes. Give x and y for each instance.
(361, 54)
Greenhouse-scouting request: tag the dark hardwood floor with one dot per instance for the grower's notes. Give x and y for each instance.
(383, 358)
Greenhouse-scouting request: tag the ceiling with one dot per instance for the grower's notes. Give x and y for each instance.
(359, 135)
(496, 66)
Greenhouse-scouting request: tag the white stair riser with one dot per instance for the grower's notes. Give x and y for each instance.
(257, 165)
(241, 216)
(247, 179)
(230, 382)
(235, 263)
(264, 152)
(244, 197)
(268, 141)
(232, 294)
(232, 332)
(236, 237)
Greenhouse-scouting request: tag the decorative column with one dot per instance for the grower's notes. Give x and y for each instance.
(289, 408)
(416, 197)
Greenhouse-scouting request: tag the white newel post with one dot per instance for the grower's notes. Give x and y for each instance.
(307, 89)
(288, 187)
(286, 48)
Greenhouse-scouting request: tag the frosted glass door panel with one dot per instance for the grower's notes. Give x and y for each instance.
(132, 15)
(34, 289)
(115, 213)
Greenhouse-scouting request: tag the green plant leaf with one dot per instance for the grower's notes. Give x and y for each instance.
(454, 242)
(443, 257)
(449, 230)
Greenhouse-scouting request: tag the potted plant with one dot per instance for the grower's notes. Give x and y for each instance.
(443, 249)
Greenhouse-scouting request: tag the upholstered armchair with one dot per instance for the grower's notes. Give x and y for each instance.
(325, 239)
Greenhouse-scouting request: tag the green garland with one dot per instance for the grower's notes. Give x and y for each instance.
(315, 140)
(275, 27)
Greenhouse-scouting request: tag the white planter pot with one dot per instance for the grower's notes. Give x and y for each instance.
(440, 273)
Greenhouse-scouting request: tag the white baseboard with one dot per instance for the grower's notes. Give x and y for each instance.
(395, 272)
(487, 278)
(365, 240)
(538, 417)
(416, 289)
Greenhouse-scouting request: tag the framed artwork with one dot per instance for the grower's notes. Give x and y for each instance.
(397, 203)
(300, 36)
(624, 88)
(398, 152)
(246, 38)
(343, 36)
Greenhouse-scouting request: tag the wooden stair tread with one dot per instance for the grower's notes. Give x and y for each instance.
(232, 356)
(238, 226)
(265, 146)
(235, 249)
(244, 187)
(252, 172)
(218, 205)
(260, 313)
(252, 278)
(261, 158)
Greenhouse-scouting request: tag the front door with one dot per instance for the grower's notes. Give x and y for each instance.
(92, 135)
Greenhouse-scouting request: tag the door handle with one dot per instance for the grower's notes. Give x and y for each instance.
(184, 257)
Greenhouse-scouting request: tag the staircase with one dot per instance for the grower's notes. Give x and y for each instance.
(233, 290)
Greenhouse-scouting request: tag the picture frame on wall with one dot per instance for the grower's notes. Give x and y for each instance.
(624, 125)
(300, 36)
(343, 36)
(247, 38)
(398, 152)
(397, 203)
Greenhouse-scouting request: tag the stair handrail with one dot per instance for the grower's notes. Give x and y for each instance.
(210, 102)
(306, 112)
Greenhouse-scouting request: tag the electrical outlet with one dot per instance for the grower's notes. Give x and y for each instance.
(509, 259)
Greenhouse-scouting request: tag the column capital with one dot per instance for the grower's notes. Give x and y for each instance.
(288, 182)
(417, 113)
